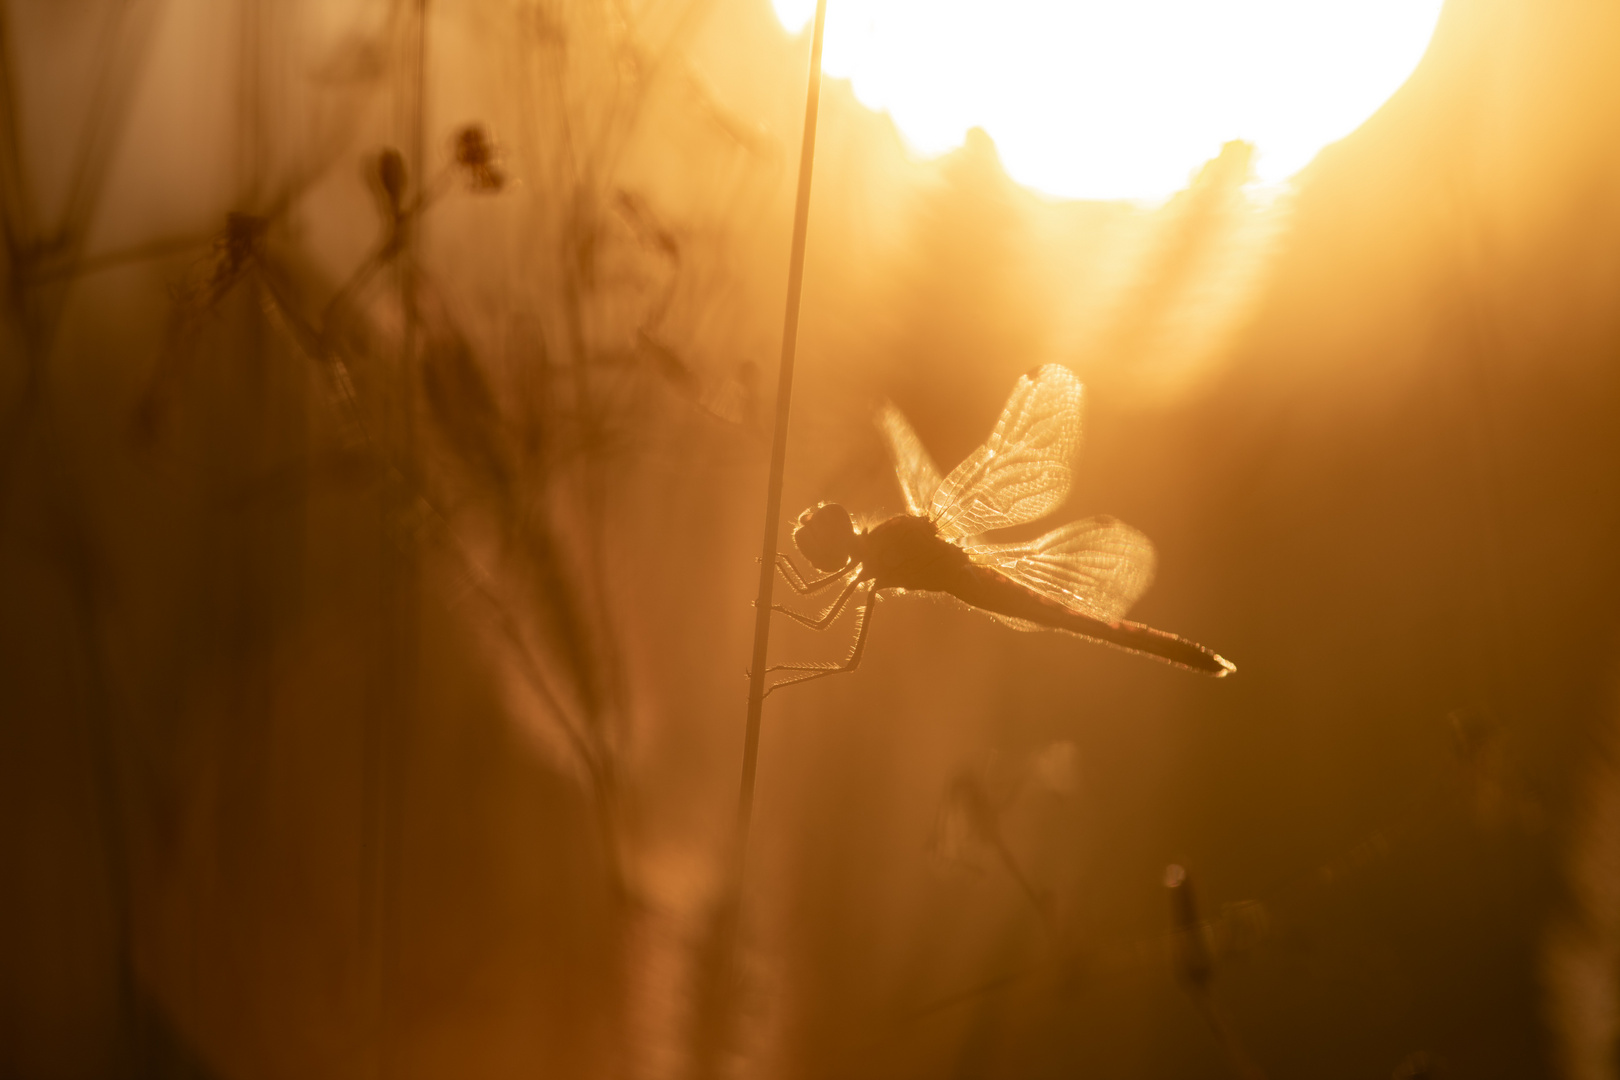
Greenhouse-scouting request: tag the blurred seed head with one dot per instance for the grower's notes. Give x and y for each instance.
(1189, 950)
(235, 246)
(475, 156)
(390, 177)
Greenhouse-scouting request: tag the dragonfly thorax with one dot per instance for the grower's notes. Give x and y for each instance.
(826, 536)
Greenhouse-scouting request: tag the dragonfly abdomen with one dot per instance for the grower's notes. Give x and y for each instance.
(993, 591)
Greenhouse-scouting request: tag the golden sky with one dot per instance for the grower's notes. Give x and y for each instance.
(1113, 100)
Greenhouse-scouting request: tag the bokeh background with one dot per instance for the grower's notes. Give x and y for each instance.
(384, 414)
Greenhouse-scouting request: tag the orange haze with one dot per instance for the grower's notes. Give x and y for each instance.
(376, 567)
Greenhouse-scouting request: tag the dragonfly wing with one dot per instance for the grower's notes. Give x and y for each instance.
(1023, 471)
(1097, 567)
(1017, 623)
(918, 476)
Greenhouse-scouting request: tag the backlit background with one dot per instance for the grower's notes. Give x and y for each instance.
(378, 538)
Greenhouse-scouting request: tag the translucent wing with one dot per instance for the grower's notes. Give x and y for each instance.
(1023, 470)
(1097, 567)
(918, 476)
(1017, 623)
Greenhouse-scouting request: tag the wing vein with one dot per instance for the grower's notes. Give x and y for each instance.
(1024, 470)
(1097, 566)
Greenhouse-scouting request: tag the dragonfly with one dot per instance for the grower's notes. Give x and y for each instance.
(1079, 579)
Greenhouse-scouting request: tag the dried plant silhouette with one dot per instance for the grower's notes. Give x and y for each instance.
(970, 818)
(493, 514)
(1195, 969)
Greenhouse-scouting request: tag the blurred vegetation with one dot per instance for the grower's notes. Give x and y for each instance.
(380, 454)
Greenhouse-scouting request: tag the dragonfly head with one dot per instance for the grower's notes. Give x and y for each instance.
(826, 536)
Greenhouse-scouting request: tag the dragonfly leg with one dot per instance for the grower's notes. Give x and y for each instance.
(831, 612)
(821, 669)
(802, 585)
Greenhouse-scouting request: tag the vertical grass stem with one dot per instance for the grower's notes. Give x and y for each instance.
(773, 489)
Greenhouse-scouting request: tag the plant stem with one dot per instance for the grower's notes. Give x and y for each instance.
(713, 1030)
(773, 489)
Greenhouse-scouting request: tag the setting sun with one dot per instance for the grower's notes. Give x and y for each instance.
(1094, 99)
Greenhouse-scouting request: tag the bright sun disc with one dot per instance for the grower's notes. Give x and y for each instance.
(1106, 99)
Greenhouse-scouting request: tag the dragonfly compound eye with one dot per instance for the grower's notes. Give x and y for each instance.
(826, 536)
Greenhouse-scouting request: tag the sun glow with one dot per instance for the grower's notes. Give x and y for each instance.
(1113, 99)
